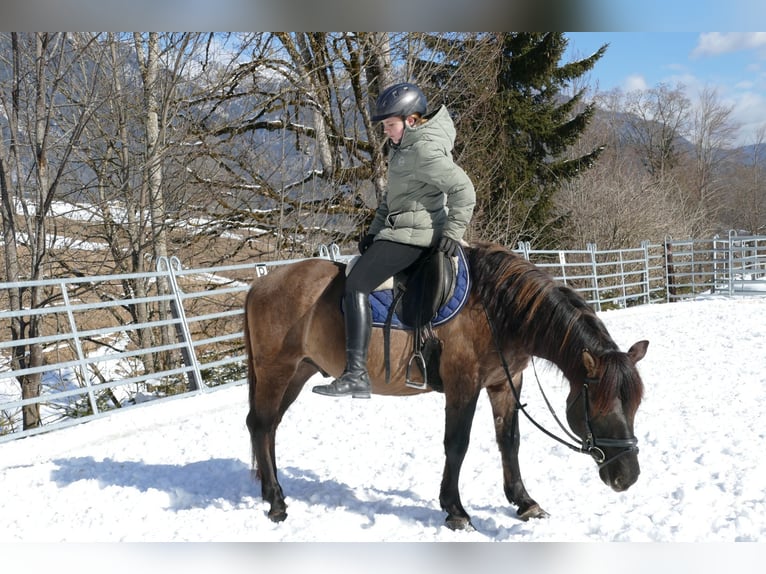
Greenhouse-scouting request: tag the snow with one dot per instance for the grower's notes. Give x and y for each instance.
(369, 471)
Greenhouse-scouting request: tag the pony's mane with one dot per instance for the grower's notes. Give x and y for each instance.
(554, 321)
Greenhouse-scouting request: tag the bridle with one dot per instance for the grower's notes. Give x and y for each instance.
(591, 444)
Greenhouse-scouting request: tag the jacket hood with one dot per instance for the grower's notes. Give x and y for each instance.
(439, 129)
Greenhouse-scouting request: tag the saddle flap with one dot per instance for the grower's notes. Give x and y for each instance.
(427, 287)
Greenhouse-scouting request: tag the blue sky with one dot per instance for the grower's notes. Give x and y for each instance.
(733, 63)
(674, 15)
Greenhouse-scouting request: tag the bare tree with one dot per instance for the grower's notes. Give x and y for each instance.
(712, 133)
(657, 120)
(375, 57)
(156, 108)
(43, 126)
(298, 156)
(619, 202)
(297, 153)
(744, 205)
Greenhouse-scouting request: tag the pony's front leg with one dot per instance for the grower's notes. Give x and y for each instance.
(457, 431)
(506, 415)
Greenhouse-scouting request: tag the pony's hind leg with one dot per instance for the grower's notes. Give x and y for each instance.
(267, 406)
(261, 441)
(506, 417)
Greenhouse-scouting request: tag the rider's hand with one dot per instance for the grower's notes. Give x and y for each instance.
(449, 246)
(365, 242)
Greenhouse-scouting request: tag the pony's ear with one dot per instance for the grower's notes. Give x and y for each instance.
(637, 351)
(590, 364)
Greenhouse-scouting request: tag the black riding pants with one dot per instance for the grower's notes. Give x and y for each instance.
(382, 260)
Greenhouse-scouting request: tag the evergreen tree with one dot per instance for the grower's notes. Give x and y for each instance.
(536, 125)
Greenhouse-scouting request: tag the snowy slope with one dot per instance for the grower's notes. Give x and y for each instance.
(370, 470)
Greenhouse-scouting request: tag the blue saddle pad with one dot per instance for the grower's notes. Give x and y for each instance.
(381, 300)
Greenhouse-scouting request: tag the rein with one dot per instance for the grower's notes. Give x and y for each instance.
(590, 444)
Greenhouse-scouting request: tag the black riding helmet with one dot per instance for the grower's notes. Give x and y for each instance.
(400, 100)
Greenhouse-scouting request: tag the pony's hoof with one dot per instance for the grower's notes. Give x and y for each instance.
(533, 511)
(278, 515)
(458, 523)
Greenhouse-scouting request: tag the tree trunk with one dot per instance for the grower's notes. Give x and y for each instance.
(377, 54)
(149, 65)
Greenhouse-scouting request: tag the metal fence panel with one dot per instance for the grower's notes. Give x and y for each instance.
(97, 355)
(731, 265)
(106, 346)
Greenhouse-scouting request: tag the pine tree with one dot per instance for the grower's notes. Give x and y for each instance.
(536, 125)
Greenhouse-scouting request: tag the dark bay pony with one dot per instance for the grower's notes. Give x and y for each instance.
(294, 329)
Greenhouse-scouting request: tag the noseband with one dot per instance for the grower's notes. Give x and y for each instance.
(591, 444)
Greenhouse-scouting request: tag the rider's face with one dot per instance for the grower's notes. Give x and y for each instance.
(394, 128)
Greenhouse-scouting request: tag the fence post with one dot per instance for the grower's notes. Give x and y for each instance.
(524, 247)
(78, 347)
(670, 288)
(188, 354)
(563, 263)
(591, 247)
(716, 268)
(334, 252)
(647, 282)
(622, 280)
(323, 252)
(732, 233)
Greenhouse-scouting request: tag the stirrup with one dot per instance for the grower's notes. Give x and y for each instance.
(417, 356)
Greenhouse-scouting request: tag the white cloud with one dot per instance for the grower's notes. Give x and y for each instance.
(635, 82)
(749, 111)
(744, 85)
(716, 43)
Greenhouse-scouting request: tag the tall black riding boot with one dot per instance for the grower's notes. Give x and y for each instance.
(355, 380)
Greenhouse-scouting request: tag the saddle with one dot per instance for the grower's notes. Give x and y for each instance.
(428, 294)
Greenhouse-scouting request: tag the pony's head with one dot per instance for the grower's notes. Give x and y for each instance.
(554, 322)
(601, 411)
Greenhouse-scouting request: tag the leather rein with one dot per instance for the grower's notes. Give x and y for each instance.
(591, 444)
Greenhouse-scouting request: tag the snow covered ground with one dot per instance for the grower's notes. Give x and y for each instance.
(369, 471)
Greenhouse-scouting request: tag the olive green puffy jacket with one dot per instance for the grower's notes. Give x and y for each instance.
(428, 194)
